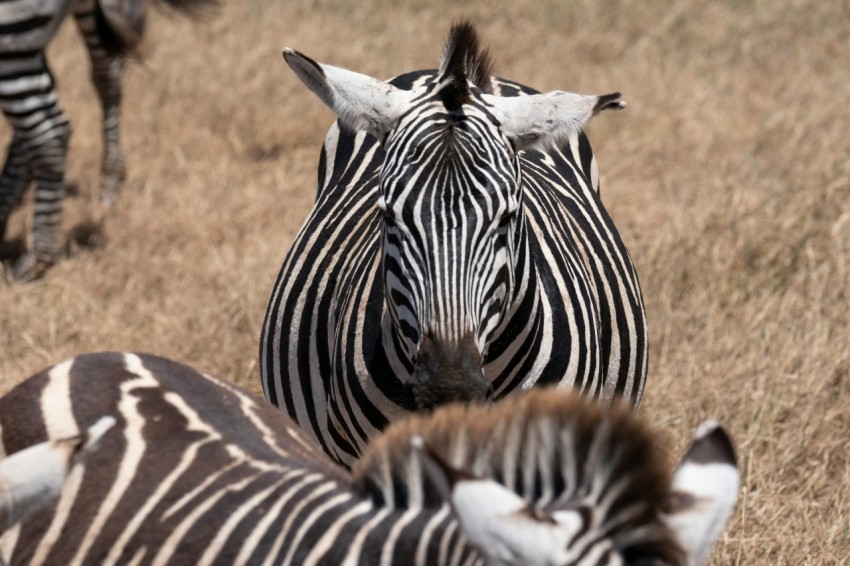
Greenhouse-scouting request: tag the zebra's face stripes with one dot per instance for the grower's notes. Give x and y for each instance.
(450, 199)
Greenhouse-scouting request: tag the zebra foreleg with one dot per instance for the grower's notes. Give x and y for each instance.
(106, 72)
(47, 166)
(106, 75)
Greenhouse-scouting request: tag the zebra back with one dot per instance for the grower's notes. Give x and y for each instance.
(196, 470)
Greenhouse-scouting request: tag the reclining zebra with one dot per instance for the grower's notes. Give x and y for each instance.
(458, 249)
(197, 471)
(111, 29)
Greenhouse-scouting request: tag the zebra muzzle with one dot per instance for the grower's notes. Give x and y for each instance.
(446, 373)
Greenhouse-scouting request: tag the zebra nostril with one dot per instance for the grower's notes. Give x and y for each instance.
(447, 372)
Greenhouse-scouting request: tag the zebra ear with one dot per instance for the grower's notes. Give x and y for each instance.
(704, 491)
(33, 477)
(540, 120)
(501, 524)
(361, 102)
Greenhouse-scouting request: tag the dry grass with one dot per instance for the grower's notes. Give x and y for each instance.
(729, 177)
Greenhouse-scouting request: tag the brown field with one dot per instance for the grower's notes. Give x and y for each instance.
(728, 176)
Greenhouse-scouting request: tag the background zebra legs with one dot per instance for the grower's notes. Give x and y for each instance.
(106, 70)
(37, 152)
(111, 30)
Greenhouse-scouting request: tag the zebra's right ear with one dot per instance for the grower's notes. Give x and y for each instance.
(361, 102)
(34, 476)
(704, 492)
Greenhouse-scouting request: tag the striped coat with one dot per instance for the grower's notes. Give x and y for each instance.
(457, 250)
(191, 470)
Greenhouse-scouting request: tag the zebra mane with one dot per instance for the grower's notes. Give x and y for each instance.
(463, 60)
(552, 448)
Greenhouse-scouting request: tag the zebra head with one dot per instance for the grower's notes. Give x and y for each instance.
(454, 232)
(510, 530)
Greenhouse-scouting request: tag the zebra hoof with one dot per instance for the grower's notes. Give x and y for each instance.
(109, 194)
(26, 268)
(112, 177)
(107, 201)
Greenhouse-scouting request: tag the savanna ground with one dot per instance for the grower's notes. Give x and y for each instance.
(728, 176)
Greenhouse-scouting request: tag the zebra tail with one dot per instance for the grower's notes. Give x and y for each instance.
(119, 30)
(121, 23)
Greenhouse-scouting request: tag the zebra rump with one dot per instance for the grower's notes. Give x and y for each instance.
(195, 470)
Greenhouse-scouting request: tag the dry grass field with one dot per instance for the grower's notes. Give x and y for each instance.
(728, 176)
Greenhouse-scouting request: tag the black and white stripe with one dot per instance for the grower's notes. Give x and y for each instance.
(28, 99)
(458, 249)
(195, 471)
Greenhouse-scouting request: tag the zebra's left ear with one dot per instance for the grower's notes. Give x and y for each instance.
(540, 120)
(33, 477)
(504, 526)
(704, 492)
(361, 102)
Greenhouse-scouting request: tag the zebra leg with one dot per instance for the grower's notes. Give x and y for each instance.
(39, 146)
(106, 72)
(13, 181)
(107, 80)
(47, 167)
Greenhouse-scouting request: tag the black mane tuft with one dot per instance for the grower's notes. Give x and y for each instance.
(463, 60)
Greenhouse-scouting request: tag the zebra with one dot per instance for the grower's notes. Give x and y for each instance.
(195, 470)
(458, 249)
(112, 30)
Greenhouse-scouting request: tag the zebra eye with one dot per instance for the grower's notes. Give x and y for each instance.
(389, 217)
(506, 218)
(509, 214)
